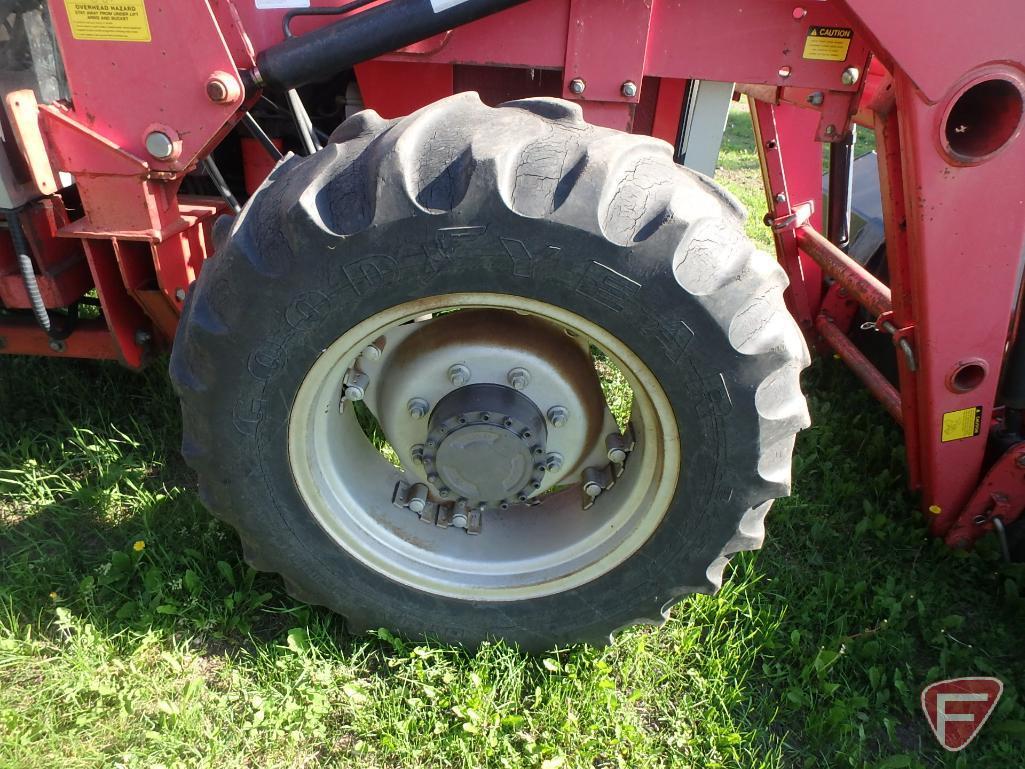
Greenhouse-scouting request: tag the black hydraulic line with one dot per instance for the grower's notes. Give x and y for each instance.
(261, 136)
(376, 30)
(210, 165)
(320, 135)
(841, 188)
(302, 121)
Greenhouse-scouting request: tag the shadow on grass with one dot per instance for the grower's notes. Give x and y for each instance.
(817, 646)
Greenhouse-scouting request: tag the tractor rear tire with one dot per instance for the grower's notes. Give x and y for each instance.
(528, 205)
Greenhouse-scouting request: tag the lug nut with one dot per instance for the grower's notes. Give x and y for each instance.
(417, 452)
(417, 499)
(629, 89)
(356, 383)
(558, 415)
(577, 85)
(458, 375)
(553, 462)
(617, 455)
(518, 378)
(850, 76)
(418, 408)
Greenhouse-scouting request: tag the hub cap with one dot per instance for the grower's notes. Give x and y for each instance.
(486, 444)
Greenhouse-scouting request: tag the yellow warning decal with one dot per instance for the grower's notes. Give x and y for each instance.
(116, 20)
(827, 43)
(963, 423)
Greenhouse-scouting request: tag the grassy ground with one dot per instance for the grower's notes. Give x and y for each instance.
(132, 634)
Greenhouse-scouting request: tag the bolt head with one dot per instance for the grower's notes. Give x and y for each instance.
(558, 416)
(577, 85)
(222, 88)
(142, 337)
(159, 145)
(458, 375)
(518, 378)
(780, 197)
(372, 352)
(553, 462)
(629, 89)
(815, 99)
(617, 455)
(417, 505)
(850, 76)
(179, 294)
(354, 393)
(800, 13)
(57, 345)
(417, 452)
(592, 489)
(418, 408)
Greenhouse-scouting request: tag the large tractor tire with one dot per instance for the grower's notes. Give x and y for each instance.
(455, 281)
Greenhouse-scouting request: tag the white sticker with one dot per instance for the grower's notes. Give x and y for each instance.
(269, 4)
(444, 5)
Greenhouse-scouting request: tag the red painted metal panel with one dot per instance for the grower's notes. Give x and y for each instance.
(936, 43)
(966, 236)
(123, 89)
(422, 84)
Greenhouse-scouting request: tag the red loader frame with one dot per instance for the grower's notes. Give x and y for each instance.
(942, 85)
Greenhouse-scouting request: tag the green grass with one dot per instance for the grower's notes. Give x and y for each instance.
(172, 653)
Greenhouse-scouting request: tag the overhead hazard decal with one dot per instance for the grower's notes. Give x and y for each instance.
(963, 423)
(116, 20)
(827, 43)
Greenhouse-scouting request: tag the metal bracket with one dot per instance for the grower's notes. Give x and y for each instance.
(799, 215)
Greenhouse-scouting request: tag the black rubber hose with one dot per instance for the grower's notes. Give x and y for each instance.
(261, 136)
(28, 274)
(377, 30)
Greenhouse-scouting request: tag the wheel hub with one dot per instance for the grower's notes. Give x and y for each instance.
(486, 444)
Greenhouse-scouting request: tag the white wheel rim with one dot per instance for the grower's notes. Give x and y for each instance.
(523, 552)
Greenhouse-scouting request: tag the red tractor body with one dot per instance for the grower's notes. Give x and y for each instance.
(154, 86)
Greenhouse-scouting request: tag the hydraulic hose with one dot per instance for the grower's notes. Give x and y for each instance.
(28, 275)
(28, 278)
(377, 30)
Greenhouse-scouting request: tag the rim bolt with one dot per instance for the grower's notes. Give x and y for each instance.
(372, 352)
(617, 455)
(553, 462)
(443, 492)
(417, 499)
(518, 378)
(558, 415)
(592, 489)
(458, 375)
(417, 453)
(418, 408)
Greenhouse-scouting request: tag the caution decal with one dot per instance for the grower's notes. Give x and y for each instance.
(124, 20)
(963, 423)
(827, 43)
